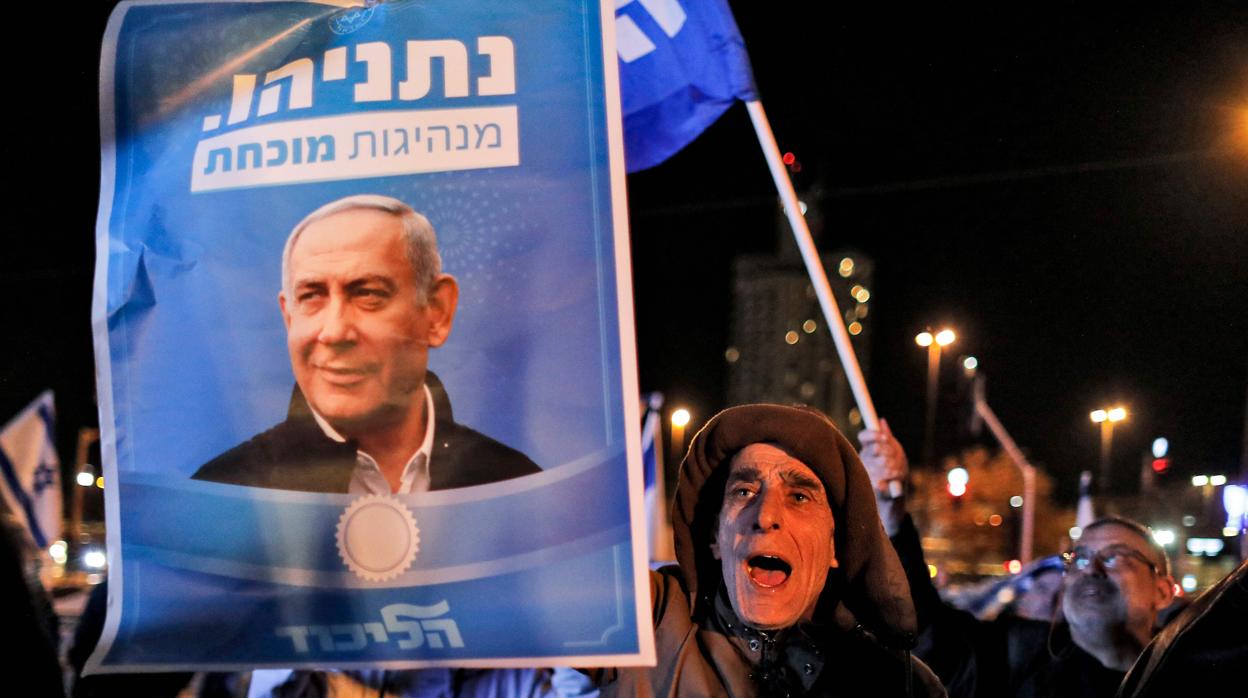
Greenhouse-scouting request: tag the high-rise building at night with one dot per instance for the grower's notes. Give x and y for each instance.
(781, 349)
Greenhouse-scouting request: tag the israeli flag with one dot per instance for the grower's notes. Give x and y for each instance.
(658, 527)
(31, 472)
(682, 64)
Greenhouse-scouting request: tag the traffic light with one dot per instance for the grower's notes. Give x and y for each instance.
(1161, 465)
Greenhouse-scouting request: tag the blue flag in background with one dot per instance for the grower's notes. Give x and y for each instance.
(682, 63)
(659, 529)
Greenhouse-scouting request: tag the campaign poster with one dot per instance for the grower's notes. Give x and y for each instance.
(364, 339)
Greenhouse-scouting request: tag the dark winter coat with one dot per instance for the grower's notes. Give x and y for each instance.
(297, 455)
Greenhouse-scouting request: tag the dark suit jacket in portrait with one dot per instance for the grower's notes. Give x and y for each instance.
(297, 455)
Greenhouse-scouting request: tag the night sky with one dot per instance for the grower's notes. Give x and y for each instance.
(1068, 190)
(1064, 189)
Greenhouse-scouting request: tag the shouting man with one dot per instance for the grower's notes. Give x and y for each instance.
(786, 583)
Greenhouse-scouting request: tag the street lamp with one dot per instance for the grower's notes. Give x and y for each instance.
(1107, 418)
(933, 343)
(680, 419)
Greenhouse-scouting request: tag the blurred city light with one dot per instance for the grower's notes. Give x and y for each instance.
(1230, 531)
(1112, 414)
(1235, 502)
(1217, 480)
(94, 559)
(86, 479)
(802, 205)
(923, 339)
(931, 571)
(846, 268)
(1205, 546)
(58, 551)
(1164, 537)
(1075, 532)
(99, 482)
(1200, 480)
(958, 477)
(1160, 447)
(1016, 501)
(970, 363)
(995, 520)
(863, 295)
(945, 337)
(731, 354)
(791, 337)
(1189, 582)
(680, 417)
(855, 328)
(1014, 566)
(810, 326)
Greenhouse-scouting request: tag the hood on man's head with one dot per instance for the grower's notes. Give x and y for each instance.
(874, 589)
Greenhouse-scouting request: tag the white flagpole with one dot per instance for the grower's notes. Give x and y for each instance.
(818, 275)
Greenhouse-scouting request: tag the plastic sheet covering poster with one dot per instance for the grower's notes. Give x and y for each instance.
(364, 338)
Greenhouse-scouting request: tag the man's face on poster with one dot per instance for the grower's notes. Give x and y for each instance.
(358, 329)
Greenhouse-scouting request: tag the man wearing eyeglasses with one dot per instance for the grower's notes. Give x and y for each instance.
(1115, 581)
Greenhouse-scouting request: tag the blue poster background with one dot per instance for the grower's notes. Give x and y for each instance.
(192, 355)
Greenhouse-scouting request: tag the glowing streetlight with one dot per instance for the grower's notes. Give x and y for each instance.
(933, 343)
(680, 419)
(1107, 418)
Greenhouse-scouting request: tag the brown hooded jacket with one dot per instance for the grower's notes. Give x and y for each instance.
(864, 623)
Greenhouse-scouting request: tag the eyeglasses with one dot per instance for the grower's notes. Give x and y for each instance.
(1112, 558)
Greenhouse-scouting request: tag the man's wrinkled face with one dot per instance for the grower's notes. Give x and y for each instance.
(357, 335)
(774, 538)
(1126, 594)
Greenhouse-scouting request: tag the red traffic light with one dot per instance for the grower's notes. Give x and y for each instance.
(1161, 465)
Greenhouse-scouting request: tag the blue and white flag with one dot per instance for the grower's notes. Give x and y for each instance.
(682, 64)
(31, 471)
(297, 200)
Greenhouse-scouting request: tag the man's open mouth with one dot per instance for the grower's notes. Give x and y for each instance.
(768, 570)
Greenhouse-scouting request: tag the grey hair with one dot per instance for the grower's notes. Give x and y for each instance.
(421, 241)
(1159, 553)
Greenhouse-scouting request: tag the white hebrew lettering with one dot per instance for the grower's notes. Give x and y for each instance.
(502, 77)
(631, 42)
(335, 67)
(299, 73)
(376, 55)
(355, 637)
(298, 634)
(240, 101)
(420, 55)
